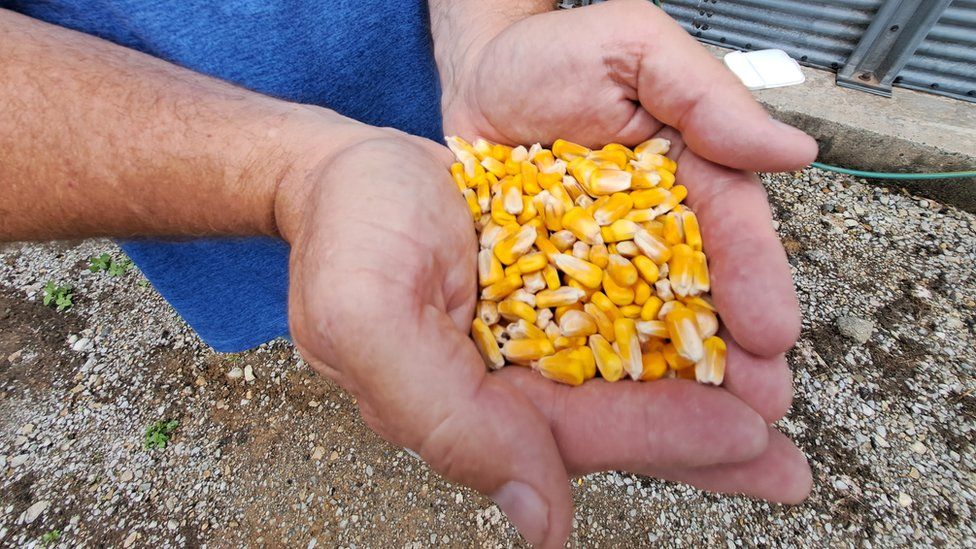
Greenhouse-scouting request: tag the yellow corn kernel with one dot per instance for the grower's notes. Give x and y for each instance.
(587, 273)
(599, 256)
(487, 311)
(500, 152)
(581, 250)
(567, 150)
(706, 320)
(711, 368)
(651, 308)
(647, 269)
(582, 225)
(628, 249)
(649, 198)
(655, 145)
(558, 297)
(584, 201)
(654, 366)
(641, 216)
(563, 309)
(608, 362)
(619, 295)
(483, 190)
(500, 290)
(491, 234)
(680, 270)
(543, 158)
(547, 247)
(482, 148)
(699, 301)
(675, 196)
(515, 246)
(631, 311)
(616, 156)
(629, 346)
(530, 178)
(644, 179)
(564, 367)
(573, 188)
(528, 210)
(513, 270)
(533, 282)
(512, 167)
(618, 147)
(648, 329)
(603, 323)
(512, 310)
(566, 342)
(684, 334)
(458, 144)
(668, 307)
(577, 323)
(552, 211)
(484, 339)
(563, 240)
(519, 154)
(673, 229)
(604, 181)
(675, 361)
(663, 290)
(520, 329)
(652, 246)
(692, 231)
(472, 200)
(457, 173)
(522, 295)
(550, 180)
(552, 277)
(494, 166)
(619, 230)
(552, 331)
(490, 268)
(587, 292)
(522, 351)
(666, 178)
(543, 318)
(622, 271)
(699, 267)
(654, 227)
(585, 354)
(642, 292)
(604, 303)
(498, 213)
(529, 263)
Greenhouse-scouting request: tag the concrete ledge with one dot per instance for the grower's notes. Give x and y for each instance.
(909, 132)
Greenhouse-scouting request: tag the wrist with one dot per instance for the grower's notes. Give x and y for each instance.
(314, 137)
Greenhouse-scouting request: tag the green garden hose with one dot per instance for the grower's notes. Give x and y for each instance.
(898, 176)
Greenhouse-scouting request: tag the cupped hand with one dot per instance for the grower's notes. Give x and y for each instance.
(382, 292)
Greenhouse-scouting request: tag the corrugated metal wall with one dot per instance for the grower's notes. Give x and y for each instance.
(945, 62)
(823, 33)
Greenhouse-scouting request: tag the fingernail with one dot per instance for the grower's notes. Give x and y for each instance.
(525, 509)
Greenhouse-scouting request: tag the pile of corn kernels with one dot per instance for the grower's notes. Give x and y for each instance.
(589, 263)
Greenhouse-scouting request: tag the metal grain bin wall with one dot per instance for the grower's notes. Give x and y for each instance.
(822, 34)
(945, 62)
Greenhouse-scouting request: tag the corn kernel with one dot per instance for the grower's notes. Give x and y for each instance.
(599, 256)
(692, 232)
(631, 311)
(552, 277)
(674, 360)
(684, 334)
(490, 269)
(621, 229)
(520, 329)
(487, 345)
(652, 246)
(515, 246)
(711, 368)
(567, 151)
(563, 240)
(629, 346)
(603, 302)
(577, 323)
(651, 308)
(564, 367)
(525, 350)
(512, 310)
(647, 269)
(654, 366)
(603, 323)
(621, 271)
(608, 362)
(585, 272)
(582, 225)
(619, 295)
(642, 292)
(559, 297)
(564, 342)
(501, 289)
(618, 205)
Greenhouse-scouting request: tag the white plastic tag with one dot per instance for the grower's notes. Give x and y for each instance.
(764, 69)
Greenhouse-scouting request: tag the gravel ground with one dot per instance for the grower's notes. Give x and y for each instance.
(884, 409)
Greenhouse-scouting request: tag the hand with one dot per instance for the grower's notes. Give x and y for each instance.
(383, 287)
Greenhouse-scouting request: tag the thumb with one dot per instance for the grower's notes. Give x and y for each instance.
(423, 385)
(683, 85)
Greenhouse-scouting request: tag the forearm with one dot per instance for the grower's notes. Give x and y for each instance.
(460, 26)
(97, 139)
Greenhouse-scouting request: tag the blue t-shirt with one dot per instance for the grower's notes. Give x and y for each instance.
(368, 60)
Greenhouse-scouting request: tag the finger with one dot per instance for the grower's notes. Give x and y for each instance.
(764, 383)
(426, 384)
(751, 281)
(685, 86)
(633, 426)
(781, 474)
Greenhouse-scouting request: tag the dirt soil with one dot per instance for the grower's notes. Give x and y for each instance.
(284, 460)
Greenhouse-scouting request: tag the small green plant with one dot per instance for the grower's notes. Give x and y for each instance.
(108, 264)
(51, 537)
(58, 296)
(158, 434)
